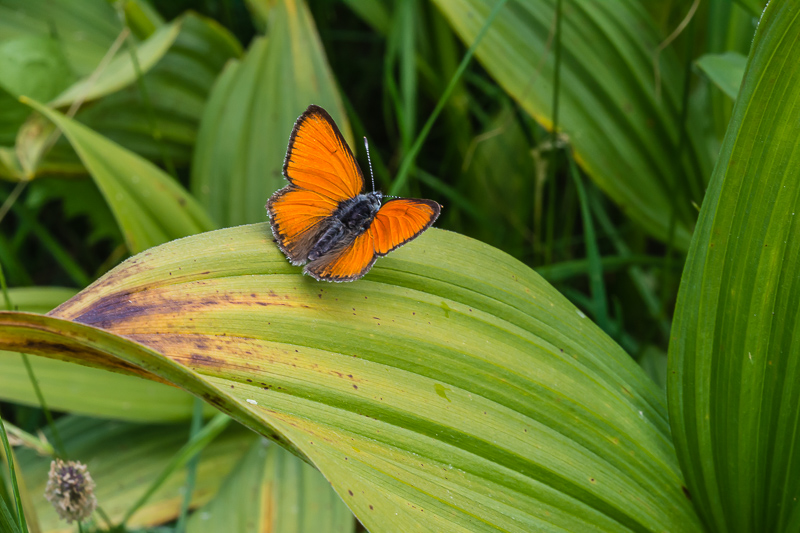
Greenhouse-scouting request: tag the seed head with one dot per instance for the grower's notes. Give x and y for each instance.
(70, 489)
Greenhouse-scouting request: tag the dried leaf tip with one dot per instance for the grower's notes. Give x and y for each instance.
(70, 489)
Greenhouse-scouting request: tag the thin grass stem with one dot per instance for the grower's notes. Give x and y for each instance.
(405, 168)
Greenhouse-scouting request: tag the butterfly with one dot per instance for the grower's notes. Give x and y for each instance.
(324, 218)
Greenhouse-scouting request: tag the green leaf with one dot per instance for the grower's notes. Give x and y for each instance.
(179, 64)
(501, 179)
(730, 29)
(733, 362)
(33, 66)
(150, 207)
(83, 390)
(450, 389)
(623, 136)
(120, 71)
(272, 490)
(245, 128)
(373, 12)
(125, 458)
(8, 524)
(724, 70)
(85, 29)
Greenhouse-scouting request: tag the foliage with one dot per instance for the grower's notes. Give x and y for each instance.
(509, 374)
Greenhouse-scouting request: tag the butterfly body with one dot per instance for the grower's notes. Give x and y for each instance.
(324, 218)
(352, 218)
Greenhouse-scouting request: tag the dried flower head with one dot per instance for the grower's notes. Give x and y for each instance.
(70, 489)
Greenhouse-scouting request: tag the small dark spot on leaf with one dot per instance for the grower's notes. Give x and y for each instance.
(591, 479)
(350, 492)
(349, 375)
(686, 493)
(355, 386)
(249, 380)
(370, 508)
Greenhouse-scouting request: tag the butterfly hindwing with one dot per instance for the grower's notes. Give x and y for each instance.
(397, 222)
(346, 263)
(400, 220)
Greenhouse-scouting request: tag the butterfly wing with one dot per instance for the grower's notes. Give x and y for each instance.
(322, 173)
(347, 263)
(397, 222)
(298, 217)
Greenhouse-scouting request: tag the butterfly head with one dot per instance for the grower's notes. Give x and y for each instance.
(374, 198)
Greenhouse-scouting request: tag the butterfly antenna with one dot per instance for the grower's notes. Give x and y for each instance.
(371, 175)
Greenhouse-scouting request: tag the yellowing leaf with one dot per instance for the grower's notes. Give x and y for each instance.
(450, 389)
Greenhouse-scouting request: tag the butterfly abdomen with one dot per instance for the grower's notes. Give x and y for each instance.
(351, 219)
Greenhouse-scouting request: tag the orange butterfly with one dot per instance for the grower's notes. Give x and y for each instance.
(324, 216)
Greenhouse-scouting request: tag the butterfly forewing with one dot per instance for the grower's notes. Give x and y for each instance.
(319, 160)
(298, 217)
(400, 220)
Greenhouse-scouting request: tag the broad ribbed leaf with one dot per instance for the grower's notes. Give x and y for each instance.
(623, 136)
(272, 490)
(150, 207)
(80, 389)
(734, 375)
(124, 459)
(450, 389)
(245, 128)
